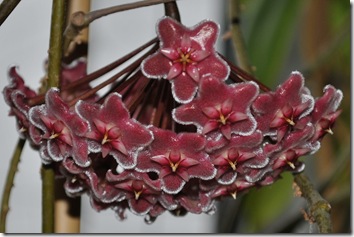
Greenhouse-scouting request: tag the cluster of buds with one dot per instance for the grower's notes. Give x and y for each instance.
(177, 130)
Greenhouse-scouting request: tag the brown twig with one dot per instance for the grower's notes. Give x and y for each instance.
(80, 20)
(6, 7)
(319, 208)
(10, 183)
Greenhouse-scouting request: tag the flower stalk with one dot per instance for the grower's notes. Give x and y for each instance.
(54, 67)
(10, 183)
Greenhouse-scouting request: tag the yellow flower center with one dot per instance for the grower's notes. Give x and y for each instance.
(222, 119)
(184, 58)
(137, 194)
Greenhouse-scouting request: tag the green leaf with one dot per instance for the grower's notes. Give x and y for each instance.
(261, 206)
(270, 32)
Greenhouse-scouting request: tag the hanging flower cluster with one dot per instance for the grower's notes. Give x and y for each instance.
(170, 134)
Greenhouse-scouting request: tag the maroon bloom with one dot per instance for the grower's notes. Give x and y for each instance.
(232, 189)
(240, 153)
(112, 131)
(185, 57)
(58, 130)
(219, 111)
(176, 158)
(294, 145)
(325, 112)
(16, 94)
(278, 112)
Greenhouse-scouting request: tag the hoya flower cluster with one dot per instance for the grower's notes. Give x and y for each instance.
(171, 134)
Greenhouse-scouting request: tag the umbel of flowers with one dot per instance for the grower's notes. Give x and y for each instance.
(170, 134)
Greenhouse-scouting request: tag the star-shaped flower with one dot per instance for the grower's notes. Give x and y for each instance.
(240, 153)
(59, 130)
(176, 158)
(112, 131)
(278, 112)
(185, 57)
(220, 110)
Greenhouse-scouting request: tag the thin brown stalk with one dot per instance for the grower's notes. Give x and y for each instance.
(171, 10)
(112, 79)
(159, 105)
(80, 20)
(6, 7)
(96, 74)
(166, 120)
(144, 88)
(10, 183)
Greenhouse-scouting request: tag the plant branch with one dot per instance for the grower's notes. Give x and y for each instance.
(80, 20)
(6, 7)
(237, 37)
(319, 208)
(54, 67)
(10, 183)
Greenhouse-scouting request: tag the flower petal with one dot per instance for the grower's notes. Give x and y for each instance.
(174, 71)
(211, 125)
(193, 72)
(199, 55)
(170, 53)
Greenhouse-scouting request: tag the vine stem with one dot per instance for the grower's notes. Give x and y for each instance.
(319, 208)
(6, 7)
(54, 67)
(10, 183)
(81, 20)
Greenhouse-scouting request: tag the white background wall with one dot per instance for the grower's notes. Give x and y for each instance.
(24, 40)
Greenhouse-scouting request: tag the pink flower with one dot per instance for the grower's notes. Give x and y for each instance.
(232, 189)
(16, 94)
(176, 158)
(113, 132)
(240, 155)
(58, 130)
(141, 198)
(185, 57)
(285, 153)
(325, 112)
(278, 112)
(219, 111)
